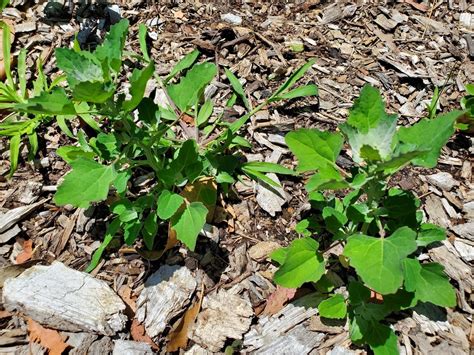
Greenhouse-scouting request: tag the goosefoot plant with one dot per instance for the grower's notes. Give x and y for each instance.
(160, 182)
(380, 228)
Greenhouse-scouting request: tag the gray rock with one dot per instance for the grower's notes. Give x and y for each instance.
(443, 180)
(465, 230)
(65, 299)
(271, 198)
(129, 347)
(165, 296)
(232, 19)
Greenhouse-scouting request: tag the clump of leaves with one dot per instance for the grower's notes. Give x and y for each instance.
(380, 228)
(158, 166)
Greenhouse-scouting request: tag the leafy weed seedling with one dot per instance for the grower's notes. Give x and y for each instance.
(380, 228)
(157, 166)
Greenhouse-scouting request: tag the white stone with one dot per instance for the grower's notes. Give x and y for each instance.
(65, 299)
(232, 19)
(129, 347)
(165, 296)
(443, 180)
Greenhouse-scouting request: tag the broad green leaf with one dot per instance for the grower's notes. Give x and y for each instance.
(327, 179)
(148, 111)
(470, 89)
(70, 153)
(381, 339)
(401, 207)
(378, 261)
(107, 145)
(333, 307)
(205, 112)
(88, 182)
(110, 51)
(190, 88)
(61, 121)
(95, 92)
(303, 263)
(314, 149)
(138, 83)
(131, 231)
(429, 283)
(279, 255)
(367, 111)
(55, 102)
(430, 136)
(150, 228)
(237, 86)
(379, 137)
(333, 219)
(168, 204)
(189, 223)
(294, 77)
(183, 64)
(302, 91)
(265, 167)
(112, 229)
(142, 33)
(78, 67)
(14, 152)
(430, 233)
(121, 181)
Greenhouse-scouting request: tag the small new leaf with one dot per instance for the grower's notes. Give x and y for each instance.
(333, 307)
(367, 111)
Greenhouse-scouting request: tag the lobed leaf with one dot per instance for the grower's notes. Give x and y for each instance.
(378, 261)
(189, 223)
(303, 263)
(88, 182)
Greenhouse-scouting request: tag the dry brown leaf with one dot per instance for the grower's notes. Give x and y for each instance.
(48, 338)
(277, 300)
(137, 331)
(27, 252)
(125, 293)
(178, 337)
(5, 314)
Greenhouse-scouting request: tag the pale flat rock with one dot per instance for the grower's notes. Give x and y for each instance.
(266, 335)
(232, 19)
(443, 180)
(271, 198)
(15, 215)
(9, 234)
(262, 250)
(298, 340)
(166, 294)
(468, 209)
(465, 250)
(223, 316)
(80, 342)
(340, 350)
(65, 299)
(129, 347)
(103, 346)
(465, 230)
(435, 210)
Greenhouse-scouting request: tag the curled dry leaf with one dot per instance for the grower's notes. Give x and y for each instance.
(27, 252)
(178, 337)
(277, 300)
(48, 338)
(137, 332)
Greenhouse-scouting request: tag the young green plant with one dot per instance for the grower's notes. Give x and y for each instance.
(379, 227)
